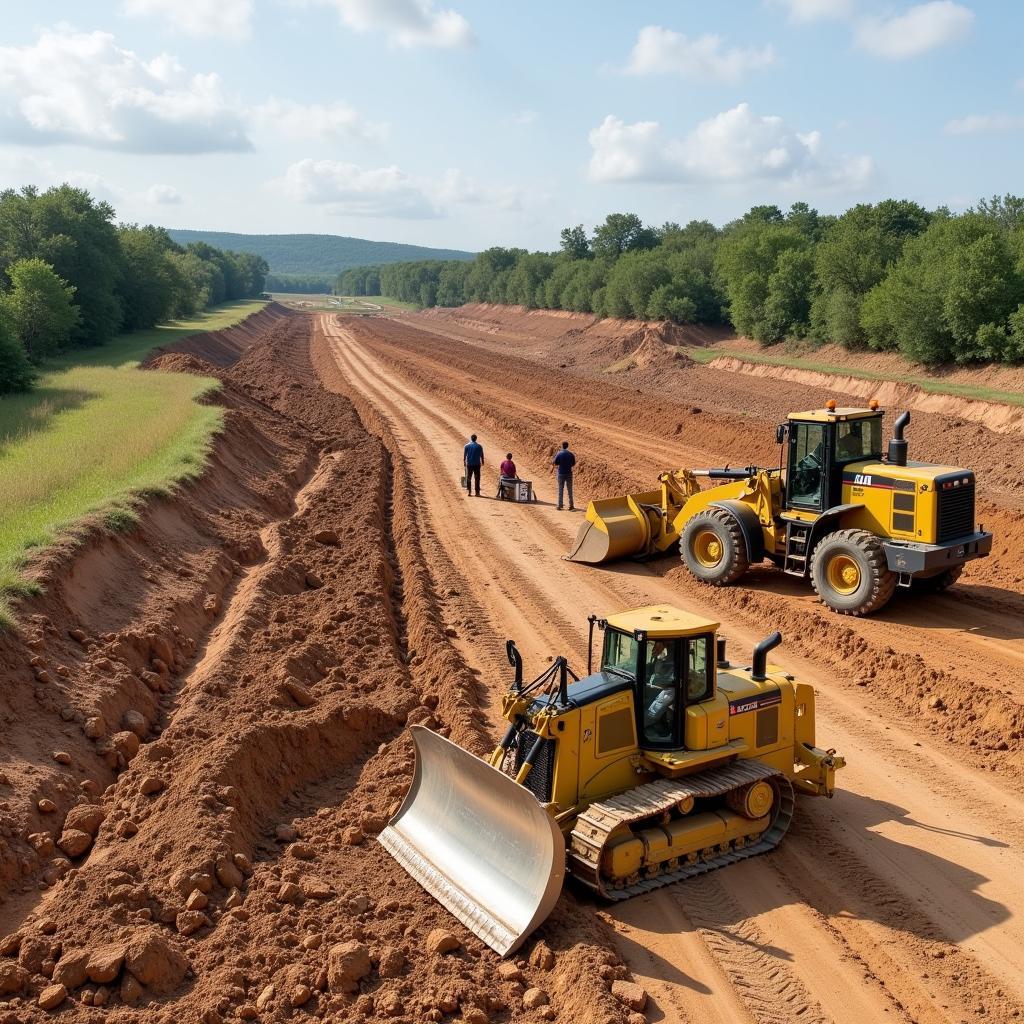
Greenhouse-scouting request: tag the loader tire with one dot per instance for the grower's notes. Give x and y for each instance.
(713, 547)
(850, 574)
(939, 582)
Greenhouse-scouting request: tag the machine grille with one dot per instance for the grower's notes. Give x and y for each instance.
(541, 776)
(956, 512)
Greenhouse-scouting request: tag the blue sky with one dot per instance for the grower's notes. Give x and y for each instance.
(469, 123)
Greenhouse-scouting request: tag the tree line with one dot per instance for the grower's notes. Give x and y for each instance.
(72, 277)
(300, 284)
(889, 276)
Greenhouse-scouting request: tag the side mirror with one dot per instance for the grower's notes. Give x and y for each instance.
(780, 433)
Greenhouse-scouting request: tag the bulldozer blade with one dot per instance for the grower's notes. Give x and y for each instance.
(478, 842)
(614, 528)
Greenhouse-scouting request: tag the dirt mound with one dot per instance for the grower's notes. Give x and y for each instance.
(179, 362)
(203, 731)
(557, 336)
(655, 351)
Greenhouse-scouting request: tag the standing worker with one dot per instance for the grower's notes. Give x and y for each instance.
(563, 461)
(473, 460)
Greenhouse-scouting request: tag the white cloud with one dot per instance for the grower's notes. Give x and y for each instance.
(525, 117)
(337, 121)
(80, 87)
(916, 31)
(456, 187)
(346, 188)
(662, 51)
(985, 124)
(163, 195)
(407, 23)
(349, 189)
(230, 18)
(734, 147)
(817, 10)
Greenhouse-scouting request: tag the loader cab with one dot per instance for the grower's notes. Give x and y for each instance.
(818, 445)
(670, 656)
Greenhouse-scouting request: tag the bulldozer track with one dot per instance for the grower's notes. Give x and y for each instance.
(595, 826)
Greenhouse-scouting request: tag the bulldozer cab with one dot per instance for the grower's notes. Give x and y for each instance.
(670, 669)
(818, 445)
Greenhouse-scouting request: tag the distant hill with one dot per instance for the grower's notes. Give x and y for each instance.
(317, 254)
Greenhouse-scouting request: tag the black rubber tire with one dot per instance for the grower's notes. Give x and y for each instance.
(735, 559)
(936, 584)
(877, 583)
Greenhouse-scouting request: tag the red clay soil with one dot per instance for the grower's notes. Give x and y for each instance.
(203, 728)
(532, 406)
(897, 900)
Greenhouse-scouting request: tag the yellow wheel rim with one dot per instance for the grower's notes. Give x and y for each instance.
(843, 574)
(708, 549)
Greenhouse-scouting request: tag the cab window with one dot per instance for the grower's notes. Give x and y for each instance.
(806, 465)
(859, 439)
(620, 652)
(699, 678)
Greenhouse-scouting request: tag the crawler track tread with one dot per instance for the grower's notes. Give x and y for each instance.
(596, 824)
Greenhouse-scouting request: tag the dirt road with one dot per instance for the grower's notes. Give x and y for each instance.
(900, 899)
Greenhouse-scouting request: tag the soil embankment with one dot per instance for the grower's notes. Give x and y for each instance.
(996, 416)
(225, 347)
(204, 730)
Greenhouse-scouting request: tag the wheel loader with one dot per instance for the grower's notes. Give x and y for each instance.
(835, 511)
(665, 763)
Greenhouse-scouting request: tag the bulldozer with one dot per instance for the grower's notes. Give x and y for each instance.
(666, 762)
(835, 511)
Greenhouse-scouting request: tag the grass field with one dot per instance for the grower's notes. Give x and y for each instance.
(97, 435)
(936, 386)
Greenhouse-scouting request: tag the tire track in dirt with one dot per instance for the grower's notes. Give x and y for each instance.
(944, 773)
(401, 404)
(886, 652)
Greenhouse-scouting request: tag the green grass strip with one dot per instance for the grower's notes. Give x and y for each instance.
(96, 437)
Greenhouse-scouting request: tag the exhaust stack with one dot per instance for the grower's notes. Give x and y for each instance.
(898, 446)
(760, 662)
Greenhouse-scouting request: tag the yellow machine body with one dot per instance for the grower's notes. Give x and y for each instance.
(665, 763)
(600, 750)
(916, 518)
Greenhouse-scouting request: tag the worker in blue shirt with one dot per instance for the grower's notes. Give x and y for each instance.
(473, 460)
(563, 462)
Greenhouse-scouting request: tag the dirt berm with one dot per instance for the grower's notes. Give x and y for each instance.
(203, 729)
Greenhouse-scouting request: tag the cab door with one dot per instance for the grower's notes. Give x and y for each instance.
(807, 470)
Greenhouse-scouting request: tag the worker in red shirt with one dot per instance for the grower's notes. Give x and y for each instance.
(508, 467)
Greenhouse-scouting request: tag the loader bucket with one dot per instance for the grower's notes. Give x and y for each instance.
(615, 528)
(480, 844)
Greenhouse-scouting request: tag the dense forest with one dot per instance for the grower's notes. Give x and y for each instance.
(70, 276)
(300, 284)
(890, 276)
(316, 255)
